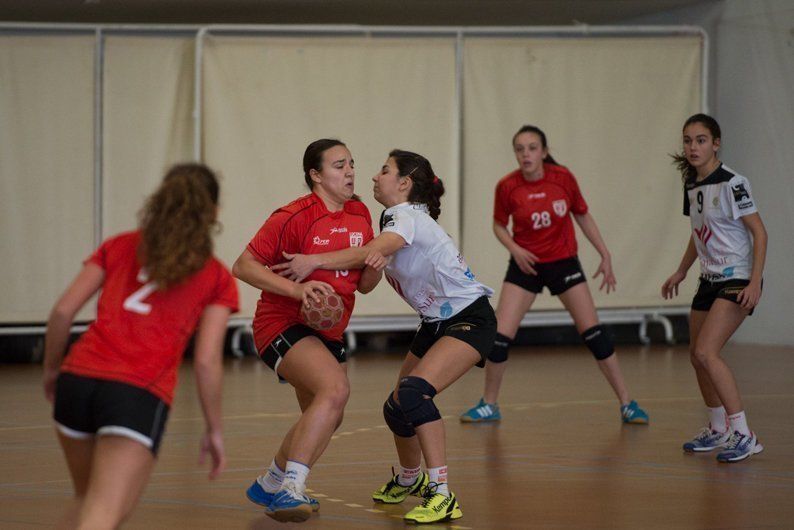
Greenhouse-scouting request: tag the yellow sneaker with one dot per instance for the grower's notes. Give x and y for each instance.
(393, 493)
(435, 508)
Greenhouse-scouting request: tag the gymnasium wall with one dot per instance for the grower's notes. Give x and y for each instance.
(607, 104)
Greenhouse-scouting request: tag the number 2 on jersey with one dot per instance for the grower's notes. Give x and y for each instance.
(134, 303)
(540, 220)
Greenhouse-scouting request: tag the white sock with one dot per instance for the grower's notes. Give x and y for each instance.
(439, 476)
(295, 476)
(738, 422)
(718, 419)
(407, 475)
(272, 479)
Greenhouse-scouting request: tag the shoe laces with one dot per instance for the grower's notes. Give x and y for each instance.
(428, 493)
(295, 493)
(704, 434)
(735, 439)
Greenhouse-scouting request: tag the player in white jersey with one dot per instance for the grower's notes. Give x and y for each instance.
(730, 240)
(457, 331)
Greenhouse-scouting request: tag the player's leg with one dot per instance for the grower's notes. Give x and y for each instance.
(716, 433)
(446, 361)
(514, 302)
(313, 370)
(120, 469)
(723, 319)
(579, 303)
(79, 452)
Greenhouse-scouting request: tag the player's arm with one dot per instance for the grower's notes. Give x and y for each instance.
(208, 365)
(751, 294)
(670, 286)
(370, 278)
(253, 272)
(59, 323)
(523, 257)
(299, 266)
(591, 232)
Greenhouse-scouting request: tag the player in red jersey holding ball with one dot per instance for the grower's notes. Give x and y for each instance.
(113, 391)
(541, 196)
(330, 218)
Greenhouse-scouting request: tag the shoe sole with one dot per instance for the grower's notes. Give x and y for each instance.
(383, 501)
(291, 515)
(701, 449)
(481, 420)
(635, 422)
(757, 449)
(315, 507)
(456, 514)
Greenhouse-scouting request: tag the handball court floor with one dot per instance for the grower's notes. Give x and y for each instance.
(560, 458)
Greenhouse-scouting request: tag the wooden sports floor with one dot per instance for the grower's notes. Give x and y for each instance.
(560, 458)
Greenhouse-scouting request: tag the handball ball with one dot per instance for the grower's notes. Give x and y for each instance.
(324, 314)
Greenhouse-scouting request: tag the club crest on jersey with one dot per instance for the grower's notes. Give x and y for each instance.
(560, 207)
(356, 239)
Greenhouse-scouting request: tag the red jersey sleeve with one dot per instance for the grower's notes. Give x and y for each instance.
(226, 291)
(501, 207)
(100, 256)
(578, 204)
(266, 245)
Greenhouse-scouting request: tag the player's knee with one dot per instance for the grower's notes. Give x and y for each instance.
(395, 418)
(337, 394)
(598, 342)
(501, 345)
(416, 399)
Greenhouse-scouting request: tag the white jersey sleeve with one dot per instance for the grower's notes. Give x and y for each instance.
(401, 223)
(739, 197)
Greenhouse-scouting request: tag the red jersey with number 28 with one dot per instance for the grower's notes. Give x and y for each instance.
(140, 332)
(306, 226)
(541, 211)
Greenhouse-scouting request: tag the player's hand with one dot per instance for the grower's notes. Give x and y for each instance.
(212, 445)
(297, 267)
(670, 286)
(524, 259)
(49, 380)
(312, 290)
(376, 260)
(608, 280)
(749, 296)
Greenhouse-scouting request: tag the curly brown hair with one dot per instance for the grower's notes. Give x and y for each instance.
(176, 224)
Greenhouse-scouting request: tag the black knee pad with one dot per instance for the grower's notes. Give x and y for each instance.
(599, 342)
(498, 352)
(418, 409)
(395, 418)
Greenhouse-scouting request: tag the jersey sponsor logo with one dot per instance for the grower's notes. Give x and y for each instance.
(446, 310)
(745, 205)
(704, 233)
(339, 230)
(740, 193)
(356, 239)
(716, 202)
(386, 220)
(425, 300)
(469, 274)
(541, 195)
(463, 326)
(728, 271)
(572, 277)
(320, 242)
(560, 207)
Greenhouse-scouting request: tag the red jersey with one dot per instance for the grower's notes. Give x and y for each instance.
(306, 226)
(140, 332)
(541, 211)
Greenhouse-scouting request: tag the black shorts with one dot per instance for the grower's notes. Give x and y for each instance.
(558, 276)
(86, 407)
(475, 325)
(274, 352)
(709, 291)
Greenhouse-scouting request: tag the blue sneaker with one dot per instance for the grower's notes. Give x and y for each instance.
(632, 413)
(707, 440)
(289, 506)
(257, 494)
(739, 447)
(482, 411)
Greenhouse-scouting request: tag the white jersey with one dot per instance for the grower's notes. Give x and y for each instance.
(715, 206)
(428, 272)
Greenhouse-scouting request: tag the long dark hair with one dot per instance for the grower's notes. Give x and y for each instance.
(687, 170)
(176, 224)
(532, 129)
(427, 188)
